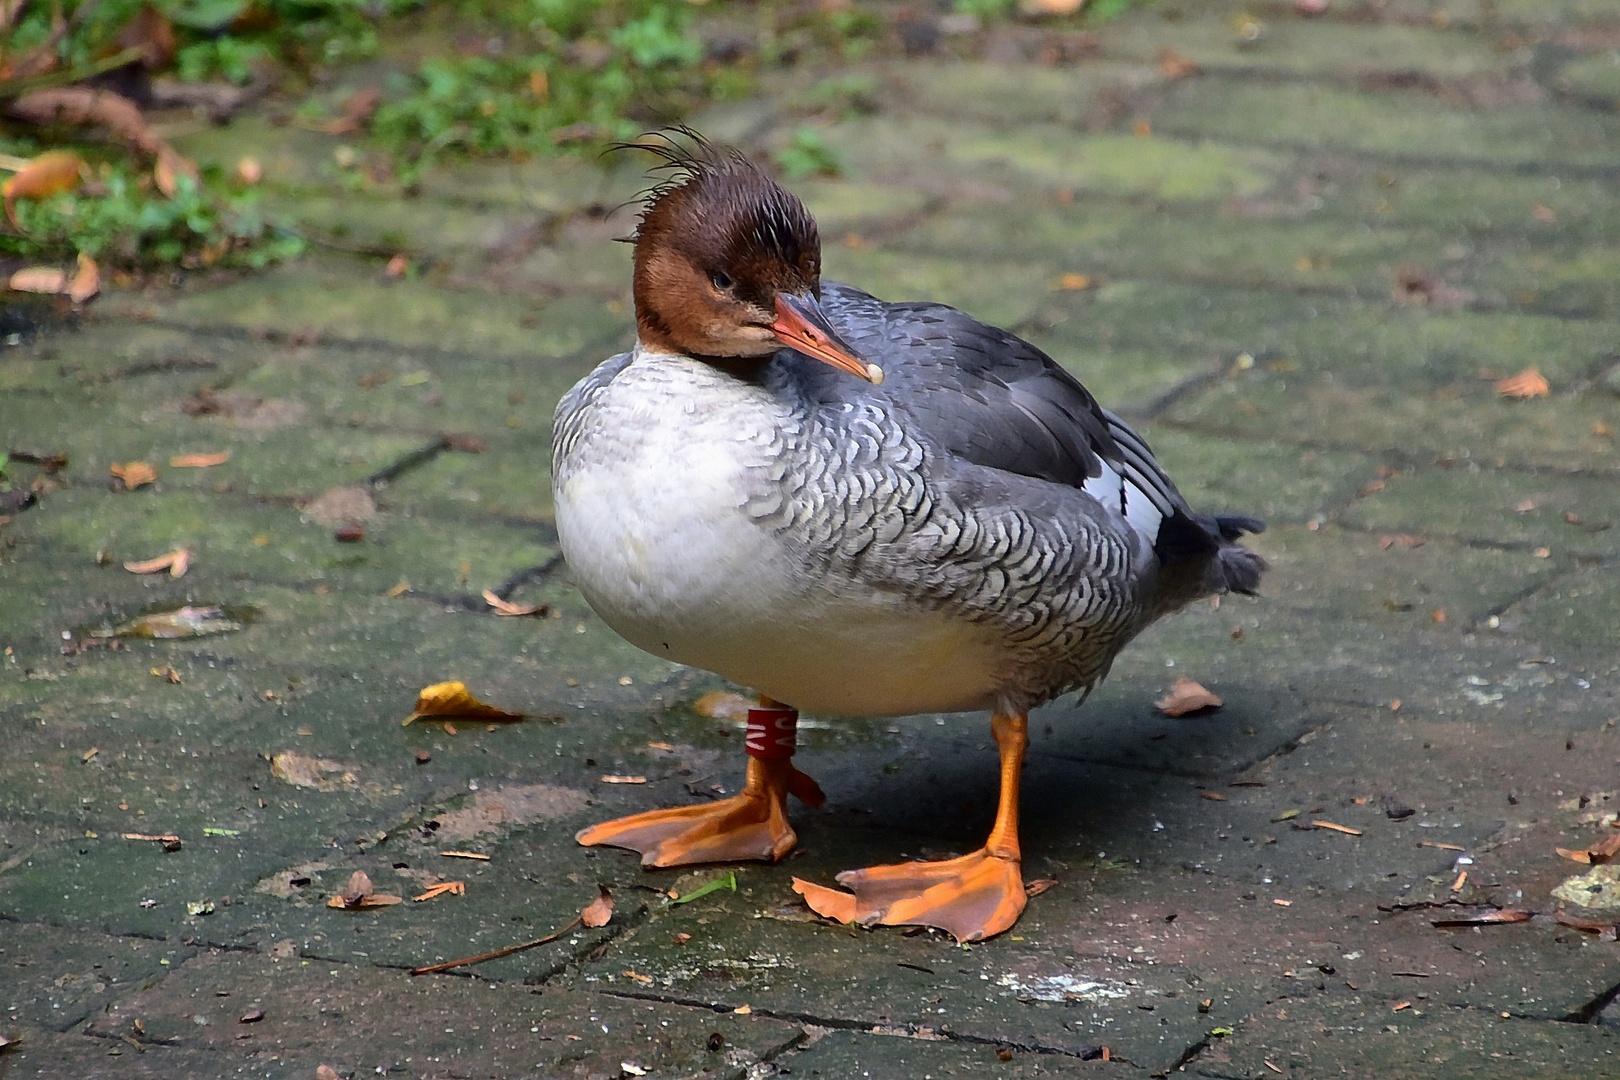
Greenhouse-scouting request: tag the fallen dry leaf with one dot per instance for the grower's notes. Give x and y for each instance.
(1601, 852)
(1176, 66)
(48, 174)
(1485, 917)
(624, 779)
(182, 622)
(456, 888)
(86, 281)
(1594, 926)
(1347, 830)
(358, 895)
(1403, 539)
(452, 699)
(397, 267)
(176, 562)
(326, 1072)
(162, 838)
(1074, 282)
(1528, 383)
(1038, 886)
(506, 607)
(598, 911)
(134, 474)
(1186, 696)
(466, 855)
(167, 673)
(37, 279)
(722, 705)
(199, 461)
(1213, 796)
(1443, 847)
(1462, 879)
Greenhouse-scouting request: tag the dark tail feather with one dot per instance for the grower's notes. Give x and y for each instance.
(1192, 540)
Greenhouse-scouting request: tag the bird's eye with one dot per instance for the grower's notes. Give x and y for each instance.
(721, 279)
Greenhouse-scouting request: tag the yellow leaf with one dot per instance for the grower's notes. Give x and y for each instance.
(1528, 383)
(199, 461)
(51, 172)
(175, 562)
(506, 607)
(1186, 696)
(134, 474)
(598, 911)
(37, 279)
(452, 699)
(86, 281)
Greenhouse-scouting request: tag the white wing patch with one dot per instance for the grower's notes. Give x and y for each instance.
(1125, 497)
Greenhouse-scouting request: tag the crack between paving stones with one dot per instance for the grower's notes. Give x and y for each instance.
(910, 1031)
(1590, 1012)
(260, 335)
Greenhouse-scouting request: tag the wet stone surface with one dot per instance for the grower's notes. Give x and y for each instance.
(1301, 271)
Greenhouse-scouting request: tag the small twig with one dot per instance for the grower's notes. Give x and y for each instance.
(508, 951)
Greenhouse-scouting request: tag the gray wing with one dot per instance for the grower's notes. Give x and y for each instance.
(995, 400)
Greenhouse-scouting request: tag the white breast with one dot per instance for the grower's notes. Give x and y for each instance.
(651, 515)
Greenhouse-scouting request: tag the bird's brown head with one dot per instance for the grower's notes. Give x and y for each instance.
(728, 264)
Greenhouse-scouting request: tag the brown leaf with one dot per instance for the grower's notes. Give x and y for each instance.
(134, 474)
(1186, 696)
(86, 281)
(598, 911)
(1594, 926)
(1528, 383)
(722, 705)
(175, 562)
(199, 461)
(452, 699)
(1596, 854)
(37, 279)
(357, 111)
(1213, 796)
(326, 1072)
(506, 607)
(151, 33)
(1176, 66)
(48, 174)
(358, 895)
(1347, 830)
(183, 622)
(1485, 917)
(1038, 886)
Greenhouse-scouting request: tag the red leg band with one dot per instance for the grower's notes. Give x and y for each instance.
(772, 732)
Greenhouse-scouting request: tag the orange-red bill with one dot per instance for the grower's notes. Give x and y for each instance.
(801, 326)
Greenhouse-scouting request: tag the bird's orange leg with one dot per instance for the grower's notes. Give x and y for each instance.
(752, 825)
(974, 897)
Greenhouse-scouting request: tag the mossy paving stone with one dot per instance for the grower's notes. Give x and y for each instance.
(1401, 124)
(55, 979)
(885, 1052)
(1482, 506)
(355, 1018)
(1360, 1036)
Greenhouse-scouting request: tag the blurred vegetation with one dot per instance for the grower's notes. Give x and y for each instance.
(469, 77)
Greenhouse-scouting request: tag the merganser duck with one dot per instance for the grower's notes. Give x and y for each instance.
(859, 508)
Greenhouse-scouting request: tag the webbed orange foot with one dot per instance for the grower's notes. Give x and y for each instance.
(974, 897)
(751, 826)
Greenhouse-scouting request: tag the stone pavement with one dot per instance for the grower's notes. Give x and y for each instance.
(1302, 268)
